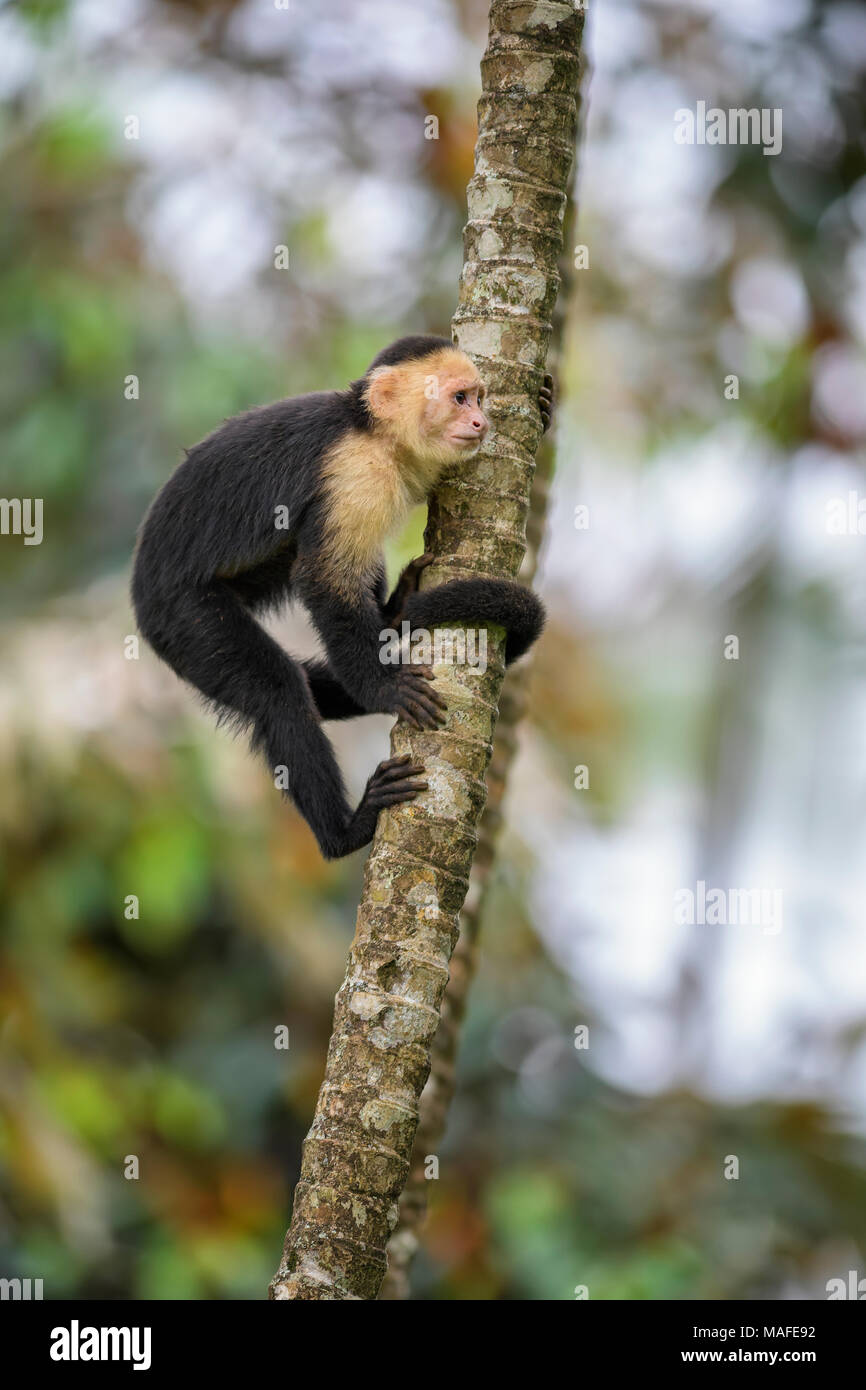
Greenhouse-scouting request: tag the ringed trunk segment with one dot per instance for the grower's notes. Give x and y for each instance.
(357, 1154)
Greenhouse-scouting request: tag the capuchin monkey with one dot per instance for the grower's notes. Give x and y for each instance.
(295, 499)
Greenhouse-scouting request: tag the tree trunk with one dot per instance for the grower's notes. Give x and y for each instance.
(357, 1154)
(439, 1091)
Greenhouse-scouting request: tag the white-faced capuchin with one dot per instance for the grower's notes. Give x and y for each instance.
(296, 498)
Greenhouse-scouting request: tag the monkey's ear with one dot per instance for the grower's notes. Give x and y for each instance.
(383, 392)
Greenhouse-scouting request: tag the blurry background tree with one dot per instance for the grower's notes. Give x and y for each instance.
(154, 1035)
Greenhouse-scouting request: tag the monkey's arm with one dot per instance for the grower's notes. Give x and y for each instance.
(331, 699)
(353, 631)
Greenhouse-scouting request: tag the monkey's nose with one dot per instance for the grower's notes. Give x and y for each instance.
(479, 423)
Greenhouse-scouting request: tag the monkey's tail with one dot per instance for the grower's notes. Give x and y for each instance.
(515, 608)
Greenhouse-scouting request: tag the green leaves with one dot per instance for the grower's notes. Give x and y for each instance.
(167, 865)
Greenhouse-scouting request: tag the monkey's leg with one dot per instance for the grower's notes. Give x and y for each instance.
(331, 699)
(216, 645)
(515, 608)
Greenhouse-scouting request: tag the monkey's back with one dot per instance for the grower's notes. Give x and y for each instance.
(217, 515)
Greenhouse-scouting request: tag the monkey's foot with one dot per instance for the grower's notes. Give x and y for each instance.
(393, 781)
(414, 702)
(545, 400)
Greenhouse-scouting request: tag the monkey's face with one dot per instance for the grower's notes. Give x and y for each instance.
(432, 406)
(453, 417)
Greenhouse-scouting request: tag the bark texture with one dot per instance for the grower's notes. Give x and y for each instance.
(357, 1154)
(439, 1090)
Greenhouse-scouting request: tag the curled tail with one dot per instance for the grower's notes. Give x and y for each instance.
(515, 608)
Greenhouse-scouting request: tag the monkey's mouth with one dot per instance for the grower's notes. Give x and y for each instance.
(468, 438)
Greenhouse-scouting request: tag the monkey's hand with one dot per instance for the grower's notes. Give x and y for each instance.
(413, 701)
(392, 782)
(545, 401)
(407, 584)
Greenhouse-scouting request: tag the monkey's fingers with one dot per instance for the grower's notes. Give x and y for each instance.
(394, 780)
(424, 716)
(429, 699)
(387, 773)
(409, 579)
(399, 784)
(433, 702)
(410, 714)
(423, 700)
(545, 400)
(399, 762)
(422, 692)
(400, 791)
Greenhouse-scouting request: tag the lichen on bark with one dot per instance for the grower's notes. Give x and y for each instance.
(357, 1154)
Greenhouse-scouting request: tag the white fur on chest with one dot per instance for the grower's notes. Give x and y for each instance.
(366, 498)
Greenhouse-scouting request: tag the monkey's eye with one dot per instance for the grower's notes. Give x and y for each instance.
(460, 398)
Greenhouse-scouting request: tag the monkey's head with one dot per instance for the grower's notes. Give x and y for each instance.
(427, 396)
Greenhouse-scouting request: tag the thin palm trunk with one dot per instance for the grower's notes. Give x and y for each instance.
(439, 1091)
(357, 1154)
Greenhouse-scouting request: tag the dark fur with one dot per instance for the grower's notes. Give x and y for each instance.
(485, 601)
(209, 557)
(407, 350)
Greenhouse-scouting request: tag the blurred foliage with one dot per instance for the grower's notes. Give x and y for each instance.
(153, 1035)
